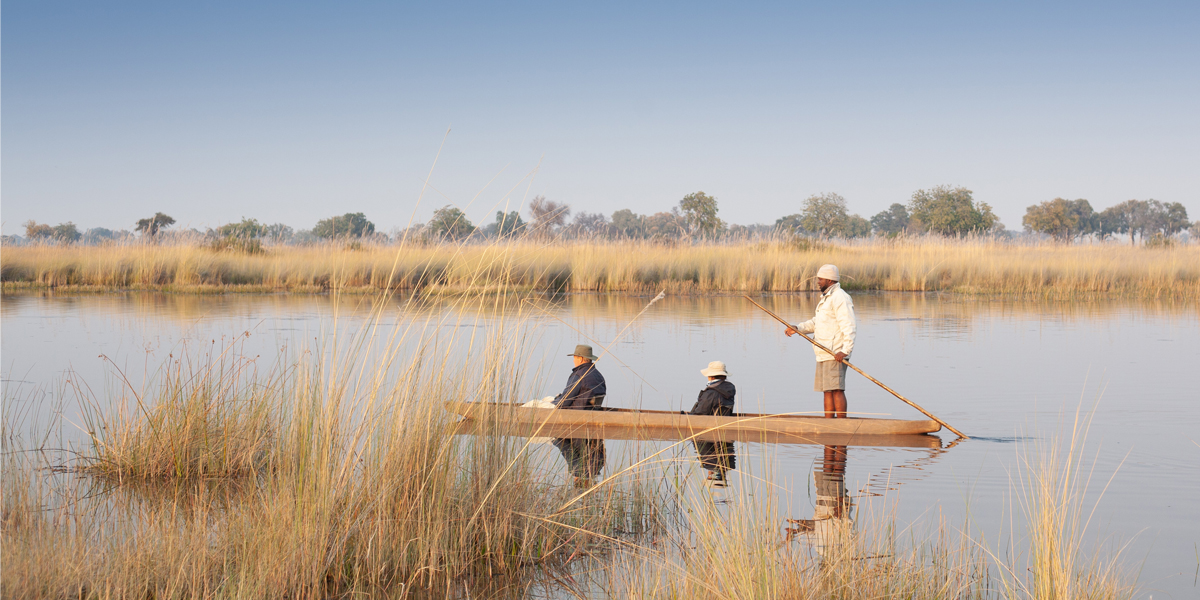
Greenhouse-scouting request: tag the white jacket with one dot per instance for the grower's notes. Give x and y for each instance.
(833, 326)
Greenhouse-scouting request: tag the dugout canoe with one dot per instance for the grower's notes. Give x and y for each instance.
(682, 425)
(614, 432)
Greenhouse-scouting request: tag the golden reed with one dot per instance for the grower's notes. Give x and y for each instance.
(977, 267)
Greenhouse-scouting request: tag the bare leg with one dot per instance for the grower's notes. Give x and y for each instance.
(830, 404)
(839, 403)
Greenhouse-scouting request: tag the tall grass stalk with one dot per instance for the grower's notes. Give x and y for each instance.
(1053, 488)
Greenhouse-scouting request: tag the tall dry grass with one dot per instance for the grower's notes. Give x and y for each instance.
(985, 267)
(731, 547)
(345, 477)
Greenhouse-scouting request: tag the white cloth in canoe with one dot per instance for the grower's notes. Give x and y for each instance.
(547, 402)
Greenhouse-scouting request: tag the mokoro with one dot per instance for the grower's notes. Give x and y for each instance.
(616, 432)
(741, 423)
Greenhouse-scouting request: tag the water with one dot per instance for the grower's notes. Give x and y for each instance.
(1008, 373)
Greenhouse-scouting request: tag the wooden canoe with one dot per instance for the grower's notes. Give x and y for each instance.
(740, 425)
(615, 432)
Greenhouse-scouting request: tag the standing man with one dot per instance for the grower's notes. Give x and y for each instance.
(833, 327)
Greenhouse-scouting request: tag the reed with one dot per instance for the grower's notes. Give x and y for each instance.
(924, 264)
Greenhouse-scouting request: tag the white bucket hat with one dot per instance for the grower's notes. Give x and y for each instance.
(829, 272)
(715, 368)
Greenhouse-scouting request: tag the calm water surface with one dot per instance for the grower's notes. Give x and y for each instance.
(1009, 373)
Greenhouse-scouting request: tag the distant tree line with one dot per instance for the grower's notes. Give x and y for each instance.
(942, 211)
(1069, 220)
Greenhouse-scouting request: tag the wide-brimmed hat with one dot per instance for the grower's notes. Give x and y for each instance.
(829, 272)
(715, 368)
(584, 351)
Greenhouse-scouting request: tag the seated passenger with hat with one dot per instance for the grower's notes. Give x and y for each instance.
(585, 386)
(717, 399)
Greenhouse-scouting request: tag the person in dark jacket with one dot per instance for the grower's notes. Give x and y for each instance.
(585, 391)
(585, 386)
(717, 398)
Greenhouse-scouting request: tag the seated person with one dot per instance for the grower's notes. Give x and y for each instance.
(717, 399)
(585, 391)
(585, 386)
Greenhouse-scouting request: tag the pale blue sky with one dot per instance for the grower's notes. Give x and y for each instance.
(291, 112)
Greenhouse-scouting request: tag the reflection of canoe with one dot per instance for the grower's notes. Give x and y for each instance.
(685, 425)
(616, 432)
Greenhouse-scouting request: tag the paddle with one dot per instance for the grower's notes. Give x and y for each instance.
(860, 372)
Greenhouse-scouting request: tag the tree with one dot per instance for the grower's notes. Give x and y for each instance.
(823, 214)
(1063, 219)
(699, 212)
(66, 233)
(149, 227)
(628, 224)
(853, 226)
(278, 232)
(790, 224)
(1144, 217)
(450, 223)
(97, 235)
(247, 229)
(1174, 218)
(35, 230)
(951, 211)
(665, 225)
(590, 225)
(547, 215)
(1112, 220)
(508, 225)
(892, 221)
(346, 226)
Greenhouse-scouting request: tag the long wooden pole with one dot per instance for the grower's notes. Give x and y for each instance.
(860, 372)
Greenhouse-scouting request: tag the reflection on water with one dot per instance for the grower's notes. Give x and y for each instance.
(832, 524)
(585, 458)
(718, 458)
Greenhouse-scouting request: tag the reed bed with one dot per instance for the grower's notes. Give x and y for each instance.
(924, 264)
(733, 548)
(341, 474)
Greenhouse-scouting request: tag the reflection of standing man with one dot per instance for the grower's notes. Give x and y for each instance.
(834, 327)
(832, 525)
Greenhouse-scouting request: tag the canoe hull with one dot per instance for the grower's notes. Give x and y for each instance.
(672, 425)
(476, 427)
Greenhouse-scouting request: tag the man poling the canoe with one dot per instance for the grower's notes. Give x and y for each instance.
(793, 330)
(834, 327)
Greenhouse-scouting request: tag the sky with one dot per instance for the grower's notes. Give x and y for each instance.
(293, 112)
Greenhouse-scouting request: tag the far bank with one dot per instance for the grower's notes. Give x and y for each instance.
(972, 267)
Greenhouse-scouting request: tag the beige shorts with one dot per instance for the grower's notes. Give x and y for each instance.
(831, 375)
